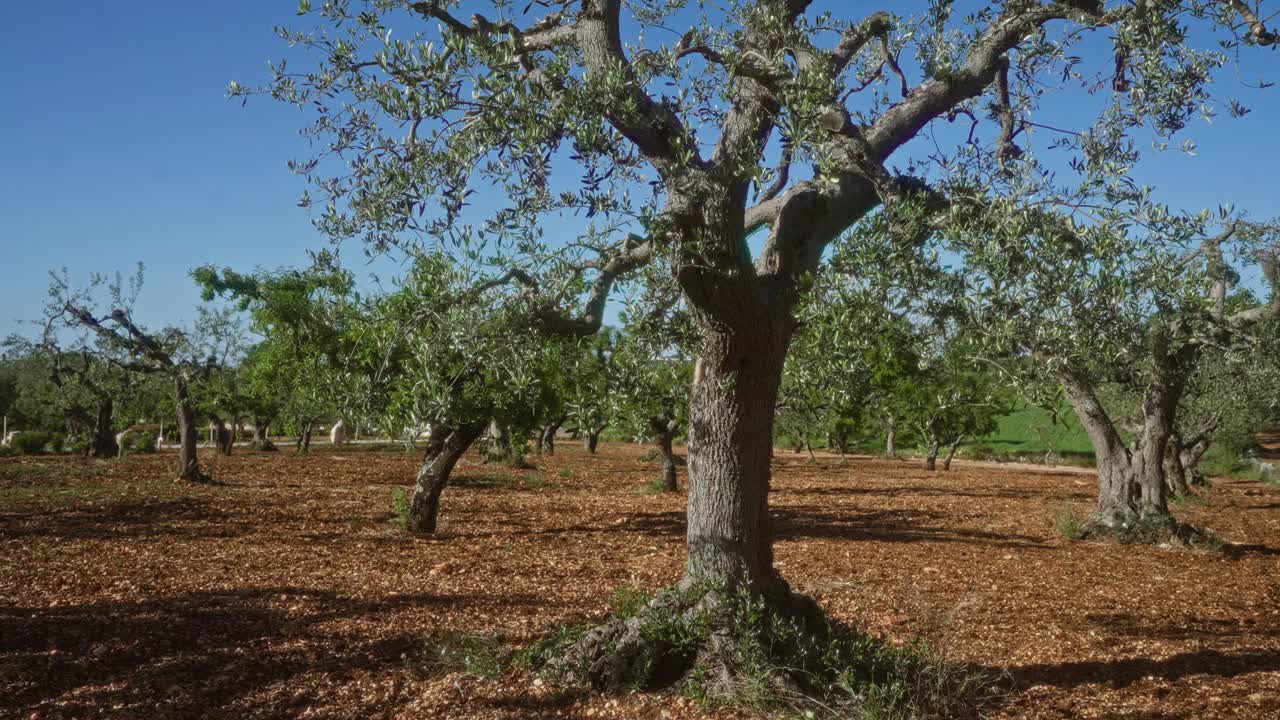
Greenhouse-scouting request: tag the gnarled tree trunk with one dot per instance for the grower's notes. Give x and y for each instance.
(262, 435)
(1175, 473)
(223, 439)
(951, 453)
(664, 432)
(548, 435)
(305, 428)
(441, 457)
(931, 458)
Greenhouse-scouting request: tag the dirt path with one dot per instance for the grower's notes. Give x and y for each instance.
(287, 592)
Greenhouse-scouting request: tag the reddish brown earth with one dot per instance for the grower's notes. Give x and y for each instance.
(288, 593)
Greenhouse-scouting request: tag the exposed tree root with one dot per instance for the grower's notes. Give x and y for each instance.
(769, 650)
(1158, 529)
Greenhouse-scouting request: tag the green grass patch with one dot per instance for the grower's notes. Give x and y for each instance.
(400, 507)
(565, 473)
(1069, 524)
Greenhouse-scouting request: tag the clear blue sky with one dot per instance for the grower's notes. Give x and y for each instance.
(119, 146)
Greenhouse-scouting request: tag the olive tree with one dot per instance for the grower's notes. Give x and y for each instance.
(102, 316)
(300, 313)
(1126, 296)
(759, 117)
(445, 353)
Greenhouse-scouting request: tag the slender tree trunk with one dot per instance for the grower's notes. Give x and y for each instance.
(549, 435)
(931, 459)
(889, 450)
(104, 444)
(424, 506)
(735, 390)
(188, 464)
(951, 454)
(809, 447)
(305, 427)
(591, 439)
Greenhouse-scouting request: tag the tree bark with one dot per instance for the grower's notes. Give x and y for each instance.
(304, 435)
(951, 454)
(104, 443)
(664, 432)
(931, 459)
(549, 435)
(591, 439)
(424, 506)
(188, 463)
(1117, 490)
(889, 450)
(1175, 472)
(735, 390)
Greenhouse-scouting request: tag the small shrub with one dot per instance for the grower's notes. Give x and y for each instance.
(534, 481)
(30, 443)
(57, 442)
(1069, 524)
(628, 600)
(400, 507)
(479, 655)
(552, 645)
(653, 487)
(78, 444)
(7, 451)
(140, 442)
(565, 473)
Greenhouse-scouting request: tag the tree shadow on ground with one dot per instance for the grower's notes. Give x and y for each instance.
(1039, 495)
(190, 655)
(183, 517)
(1122, 673)
(793, 522)
(898, 526)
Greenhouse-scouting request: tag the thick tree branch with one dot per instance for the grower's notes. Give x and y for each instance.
(653, 128)
(1258, 32)
(940, 95)
(634, 253)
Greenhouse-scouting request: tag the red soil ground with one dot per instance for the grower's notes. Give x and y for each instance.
(287, 592)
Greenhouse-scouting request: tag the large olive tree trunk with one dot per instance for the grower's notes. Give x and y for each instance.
(441, 457)
(731, 413)
(1131, 480)
(188, 464)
